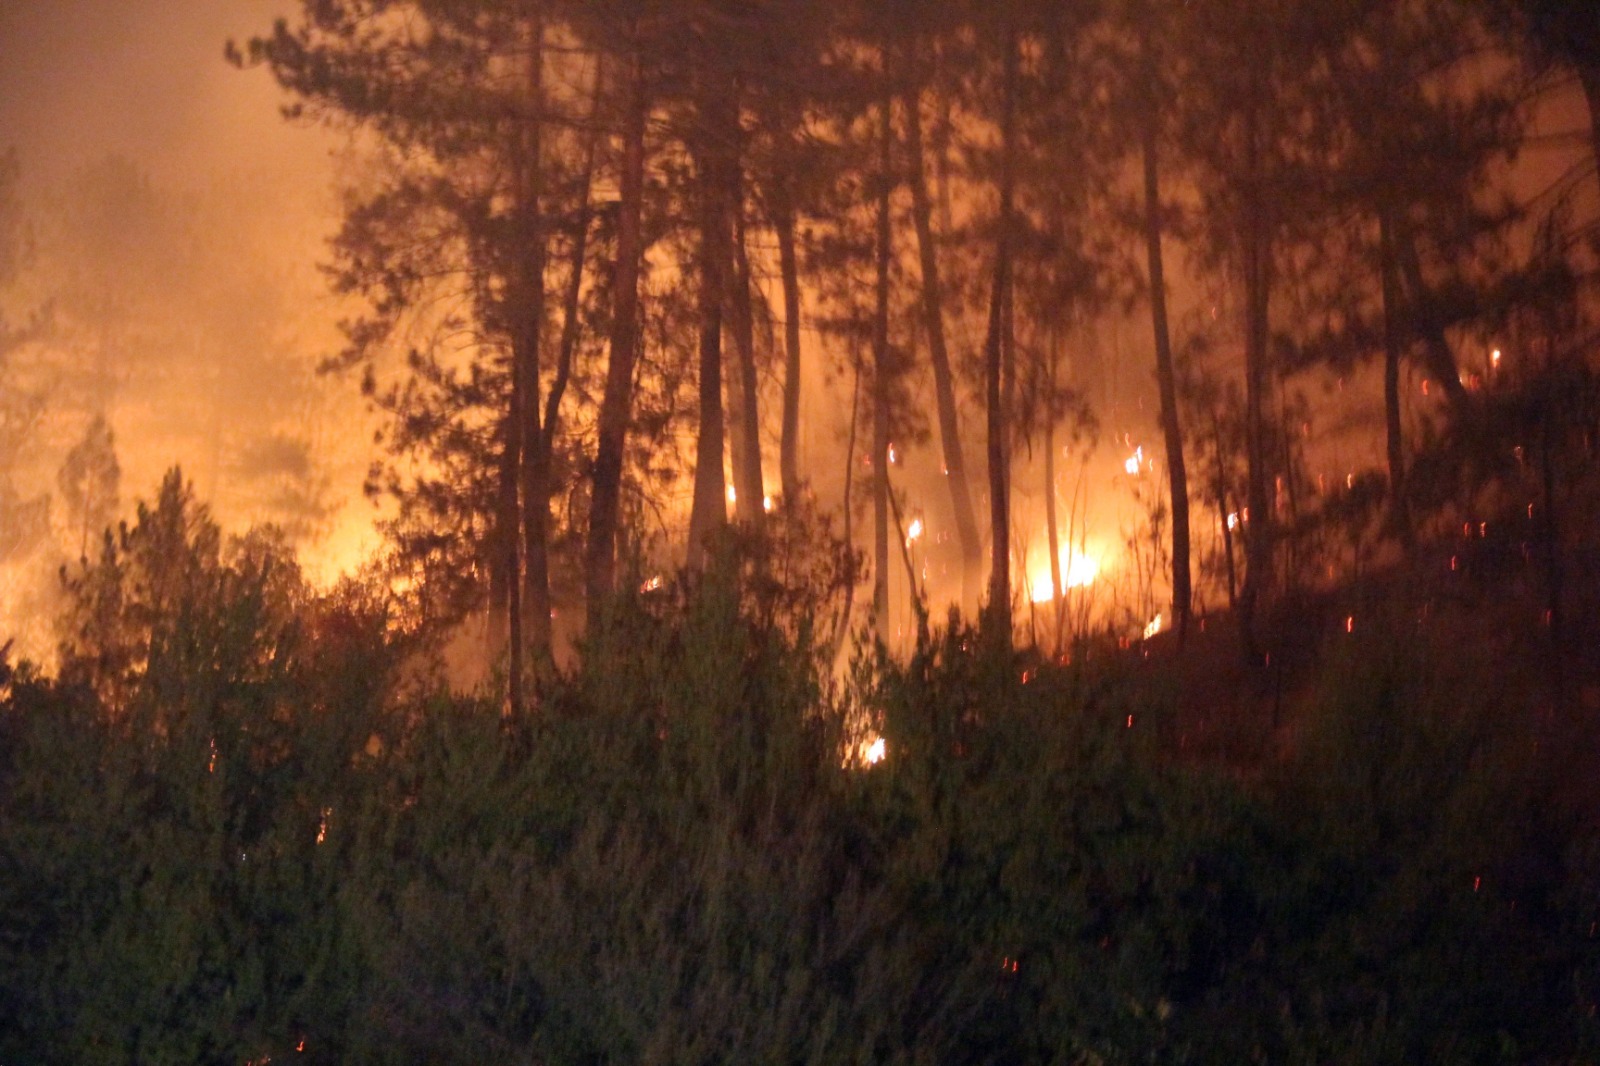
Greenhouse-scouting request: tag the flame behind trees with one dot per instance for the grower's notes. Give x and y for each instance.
(579, 202)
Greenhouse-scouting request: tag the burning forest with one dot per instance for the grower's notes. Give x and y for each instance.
(709, 531)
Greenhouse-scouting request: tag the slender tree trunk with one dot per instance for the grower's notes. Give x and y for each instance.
(718, 177)
(843, 629)
(1427, 319)
(616, 405)
(743, 388)
(955, 462)
(535, 599)
(1394, 430)
(880, 381)
(537, 491)
(1589, 78)
(999, 475)
(1166, 376)
(789, 268)
(1258, 528)
(1058, 587)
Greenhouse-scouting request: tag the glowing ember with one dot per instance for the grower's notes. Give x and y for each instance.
(1077, 571)
(651, 585)
(894, 456)
(322, 827)
(733, 495)
(1134, 461)
(1494, 358)
(766, 504)
(1233, 521)
(1153, 627)
(915, 530)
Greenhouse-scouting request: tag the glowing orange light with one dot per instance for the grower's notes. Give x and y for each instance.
(1153, 627)
(915, 530)
(1077, 571)
(1134, 461)
(1350, 624)
(766, 504)
(733, 494)
(874, 751)
(1494, 357)
(211, 767)
(651, 585)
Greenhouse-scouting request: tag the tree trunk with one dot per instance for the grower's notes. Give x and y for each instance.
(880, 383)
(717, 126)
(1166, 377)
(1052, 534)
(1589, 78)
(1258, 526)
(743, 387)
(1427, 319)
(999, 475)
(955, 462)
(616, 405)
(1394, 430)
(536, 496)
(788, 266)
(529, 337)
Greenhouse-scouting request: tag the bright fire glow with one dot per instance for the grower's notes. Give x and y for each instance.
(651, 585)
(1077, 571)
(1152, 629)
(766, 504)
(915, 531)
(1134, 461)
(873, 751)
(733, 495)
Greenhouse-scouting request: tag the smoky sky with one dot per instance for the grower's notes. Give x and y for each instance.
(144, 79)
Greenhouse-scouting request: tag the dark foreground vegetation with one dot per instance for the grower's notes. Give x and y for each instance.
(238, 826)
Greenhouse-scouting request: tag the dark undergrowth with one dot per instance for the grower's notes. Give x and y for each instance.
(227, 833)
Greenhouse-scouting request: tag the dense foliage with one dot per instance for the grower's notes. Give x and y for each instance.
(255, 833)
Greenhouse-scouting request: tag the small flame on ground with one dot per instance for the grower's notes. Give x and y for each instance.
(1134, 461)
(1152, 627)
(651, 585)
(767, 504)
(914, 531)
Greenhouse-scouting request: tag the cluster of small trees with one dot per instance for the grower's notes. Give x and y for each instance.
(235, 829)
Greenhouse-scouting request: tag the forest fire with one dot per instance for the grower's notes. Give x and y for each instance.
(463, 551)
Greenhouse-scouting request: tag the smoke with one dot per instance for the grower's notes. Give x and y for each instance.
(175, 222)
